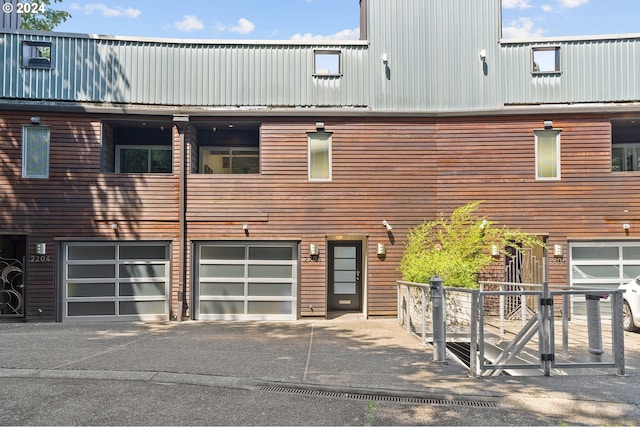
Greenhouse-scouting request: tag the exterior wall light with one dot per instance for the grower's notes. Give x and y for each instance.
(35, 120)
(483, 55)
(314, 253)
(558, 250)
(384, 58)
(382, 249)
(495, 250)
(245, 228)
(386, 225)
(548, 124)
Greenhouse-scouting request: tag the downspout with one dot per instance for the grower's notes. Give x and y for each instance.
(181, 122)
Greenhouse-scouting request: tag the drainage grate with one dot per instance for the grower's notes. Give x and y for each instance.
(378, 398)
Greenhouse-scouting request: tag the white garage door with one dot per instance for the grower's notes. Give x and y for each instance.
(602, 265)
(115, 281)
(246, 281)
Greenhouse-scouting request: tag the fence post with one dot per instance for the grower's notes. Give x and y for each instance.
(437, 316)
(594, 327)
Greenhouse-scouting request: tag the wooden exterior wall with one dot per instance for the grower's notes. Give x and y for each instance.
(401, 170)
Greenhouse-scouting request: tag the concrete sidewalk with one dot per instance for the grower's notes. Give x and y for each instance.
(347, 355)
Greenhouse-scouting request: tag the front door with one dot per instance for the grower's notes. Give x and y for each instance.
(345, 276)
(13, 253)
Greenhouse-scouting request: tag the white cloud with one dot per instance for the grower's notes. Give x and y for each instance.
(341, 35)
(107, 12)
(523, 28)
(189, 23)
(244, 27)
(547, 8)
(573, 3)
(516, 4)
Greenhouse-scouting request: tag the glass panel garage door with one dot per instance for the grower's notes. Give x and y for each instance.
(115, 281)
(602, 265)
(246, 281)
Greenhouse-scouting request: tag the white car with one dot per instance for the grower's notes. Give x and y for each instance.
(631, 305)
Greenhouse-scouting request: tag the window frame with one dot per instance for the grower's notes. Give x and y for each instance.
(25, 151)
(230, 154)
(558, 155)
(329, 142)
(329, 72)
(625, 135)
(538, 71)
(42, 62)
(119, 147)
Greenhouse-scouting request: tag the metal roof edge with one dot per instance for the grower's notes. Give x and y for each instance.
(566, 39)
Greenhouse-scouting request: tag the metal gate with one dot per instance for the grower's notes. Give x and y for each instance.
(12, 276)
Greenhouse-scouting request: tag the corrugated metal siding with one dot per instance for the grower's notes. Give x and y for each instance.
(9, 20)
(601, 70)
(433, 49)
(92, 70)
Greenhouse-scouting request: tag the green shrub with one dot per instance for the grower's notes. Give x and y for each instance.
(457, 247)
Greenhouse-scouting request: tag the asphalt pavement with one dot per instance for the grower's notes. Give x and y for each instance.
(342, 371)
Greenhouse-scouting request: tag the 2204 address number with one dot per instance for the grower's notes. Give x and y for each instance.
(26, 8)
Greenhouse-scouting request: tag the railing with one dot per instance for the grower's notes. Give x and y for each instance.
(502, 339)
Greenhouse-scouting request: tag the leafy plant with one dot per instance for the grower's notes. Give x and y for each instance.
(46, 19)
(458, 247)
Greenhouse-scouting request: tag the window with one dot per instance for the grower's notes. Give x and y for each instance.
(625, 145)
(319, 156)
(229, 148)
(143, 159)
(36, 54)
(144, 147)
(327, 63)
(545, 60)
(35, 151)
(547, 154)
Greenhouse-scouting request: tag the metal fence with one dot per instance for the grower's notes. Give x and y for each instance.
(518, 329)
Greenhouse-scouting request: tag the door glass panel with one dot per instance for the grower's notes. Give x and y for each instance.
(88, 290)
(142, 289)
(594, 253)
(344, 252)
(345, 264)
(142, 270)
(270, 271)
(270, 253)
(595, 271)
(141, 307)
(221, 289)
(343, 288)
(143, 252)
(270, 289)
(631, 271)
(100, 308)
(92, 271)
(221, 307)
(222, 252)
(270, 307)
(222, 270)
(344, 276)
(92, 253)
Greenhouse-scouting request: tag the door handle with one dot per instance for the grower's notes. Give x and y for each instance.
(357, 274)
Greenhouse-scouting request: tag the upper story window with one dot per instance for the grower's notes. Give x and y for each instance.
(36, 141)
(545, 60)
(625, 145)
(36, 54)
(137, 147)
(547, 154)
(229, 148)
(320, 162)
(327, 63)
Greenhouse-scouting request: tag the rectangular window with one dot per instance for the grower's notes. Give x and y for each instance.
(545, 60)
(547, 154)
(228, 148)
(319, 156)
(327, 63)
(36, 54)
(35, 151)
(230, 160)
(625, 145)
(143, 159)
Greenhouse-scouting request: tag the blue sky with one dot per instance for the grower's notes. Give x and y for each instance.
(323, 19)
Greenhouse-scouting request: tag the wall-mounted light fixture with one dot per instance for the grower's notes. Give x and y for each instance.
(558, 250)
(495, 250)
(114, 226)
(548, 124)
(245, 228)
(41, 248)
(384, 58)
(483, 55)
(626, 227)
(382, 249)
(386, 225)
(314, 252)
(320, 126)
(35, 120)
